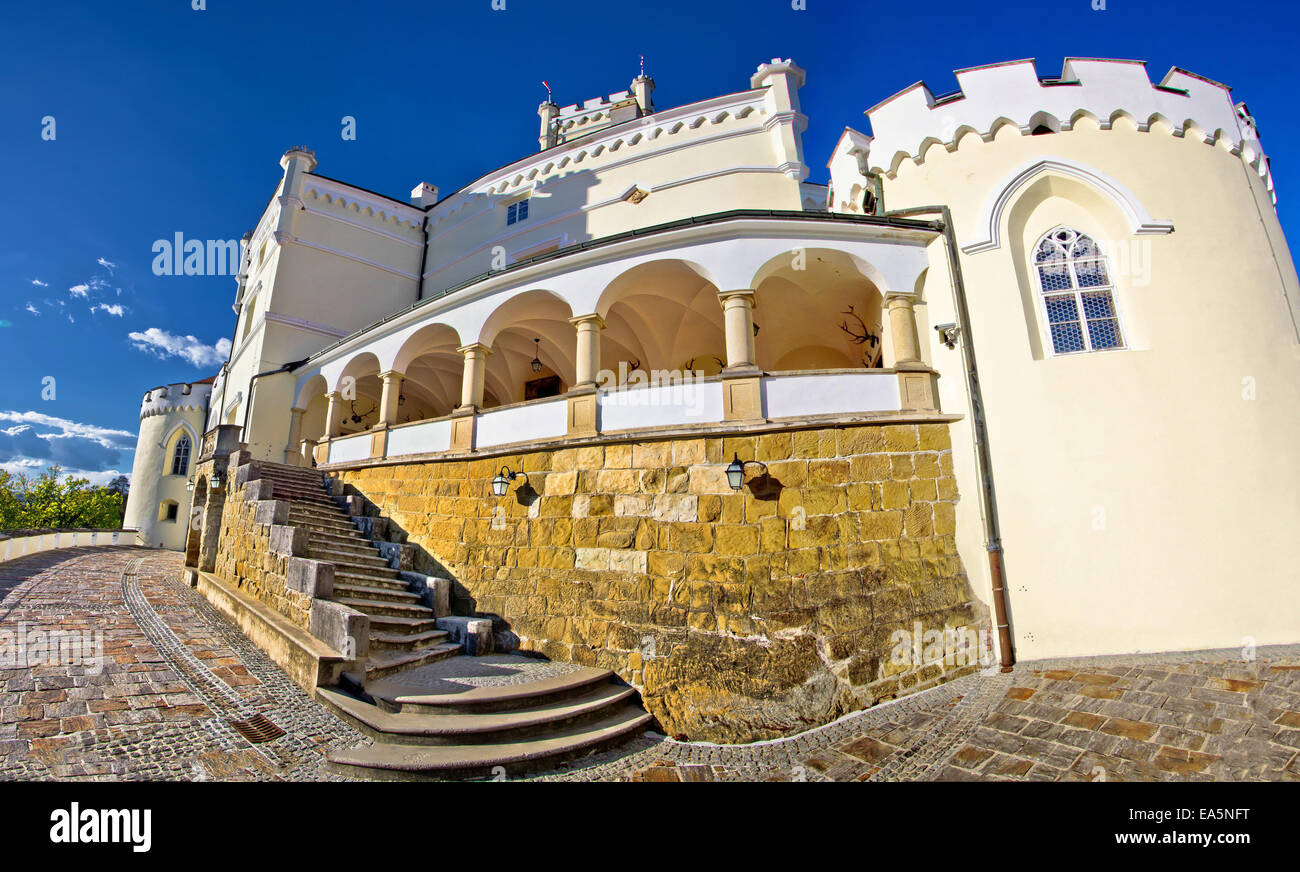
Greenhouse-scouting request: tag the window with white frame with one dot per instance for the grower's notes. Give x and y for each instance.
(517, 211)
(1078, 295)
(181, 456)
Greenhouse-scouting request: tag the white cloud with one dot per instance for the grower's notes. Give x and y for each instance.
(106, 264)
(162, 344)
(37, 441)
(103, 435)
(40, 284)
(32, 309)
(115, 309)
(83, 290)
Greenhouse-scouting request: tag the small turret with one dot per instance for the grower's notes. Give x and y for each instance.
(548, 112)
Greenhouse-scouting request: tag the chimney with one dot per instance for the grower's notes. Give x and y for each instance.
(549, 112)
(424, 195)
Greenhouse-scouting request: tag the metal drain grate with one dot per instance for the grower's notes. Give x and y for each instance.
(257, 729)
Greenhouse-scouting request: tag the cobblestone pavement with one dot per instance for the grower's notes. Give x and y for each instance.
(1199, 716)
(160, 701)
(176, 674)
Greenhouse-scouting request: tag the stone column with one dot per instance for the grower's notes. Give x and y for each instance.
(471, 383)
(332, 425)
(471, 396)
(738, 317)
(742, 384)
(392, 390)
(582, 397)
(916, 381)
(388, 401)
(902, 329)
(588, 356)
(293, 448)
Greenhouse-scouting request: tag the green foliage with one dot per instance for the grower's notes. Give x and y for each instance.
(46, 502)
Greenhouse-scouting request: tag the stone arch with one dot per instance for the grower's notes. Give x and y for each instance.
(362, 411)
(311, 398)
(662, 315)
(989, 236)
(1047, 202)
(511, 330)
(818, 308)
(172, 439)
(432, 367)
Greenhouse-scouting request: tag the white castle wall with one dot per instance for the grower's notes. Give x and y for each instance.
(165, 413)
(1147, 495)
(906, 124)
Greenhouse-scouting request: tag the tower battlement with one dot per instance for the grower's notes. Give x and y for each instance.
(179, 397)
(990, 97)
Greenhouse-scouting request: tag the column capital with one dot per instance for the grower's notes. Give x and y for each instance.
(475, 347)
(740, 293)
(390, 374)
(333, 395)
(900, 297)
(589, 319)
(297, 411)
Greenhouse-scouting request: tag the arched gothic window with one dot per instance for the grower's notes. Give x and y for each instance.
(1078, 296)
(181, 456)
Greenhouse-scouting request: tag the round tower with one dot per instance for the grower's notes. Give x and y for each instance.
(171, 426)
(1132, 311)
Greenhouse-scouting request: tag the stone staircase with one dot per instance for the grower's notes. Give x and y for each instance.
(403, 630)
(431, 711)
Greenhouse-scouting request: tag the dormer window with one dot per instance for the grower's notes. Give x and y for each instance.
(517, 211)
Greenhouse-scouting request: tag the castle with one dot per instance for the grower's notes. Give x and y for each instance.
(1021, 380)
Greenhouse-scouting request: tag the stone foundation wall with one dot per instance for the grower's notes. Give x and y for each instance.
(246, 560)
(738, 615)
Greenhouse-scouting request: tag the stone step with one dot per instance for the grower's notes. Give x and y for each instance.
(352, 591)
(489, 727)
(400, 625)
(336, 528)
(341, 542)
(352, 575)
(325, 512)
(385, 584)
(347, 558)
(383, 607)
(338, 525)
(349, 536)
(405, 641)
(300, 493)
(384, 663)
(400, 761)
(406, 694)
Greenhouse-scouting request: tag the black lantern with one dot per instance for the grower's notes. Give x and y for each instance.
(736, 471)
(501, 483)
(537, 357)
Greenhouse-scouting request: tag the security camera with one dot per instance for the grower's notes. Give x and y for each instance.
(948, 334)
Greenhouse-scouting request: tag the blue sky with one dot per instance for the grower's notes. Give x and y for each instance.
(172, 120)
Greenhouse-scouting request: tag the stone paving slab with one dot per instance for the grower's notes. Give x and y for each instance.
(174, 673)
(141, 713)
(1195, 716)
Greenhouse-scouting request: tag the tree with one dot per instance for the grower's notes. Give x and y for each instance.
(46, 502)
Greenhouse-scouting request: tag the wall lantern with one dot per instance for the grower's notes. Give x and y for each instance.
(216, 479)
(736, 471)
(501, 483)
(537, 357)
(189, 485)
